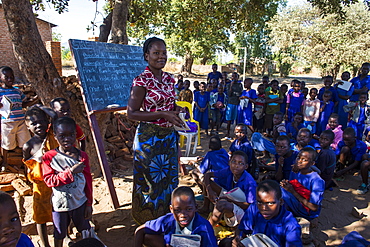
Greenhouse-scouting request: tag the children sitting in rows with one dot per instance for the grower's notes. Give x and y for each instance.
(183, 220)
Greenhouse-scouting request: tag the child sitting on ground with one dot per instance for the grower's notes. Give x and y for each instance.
(269, 216)
(292, 128)
(232, 177)
(66, 169)
(326, 158)
(284, 159)
(334, 126)
(33, 150)
(303, 139)
(350, 152)
(183, 219)
(304, 190)
(10, 227)
(62, 108)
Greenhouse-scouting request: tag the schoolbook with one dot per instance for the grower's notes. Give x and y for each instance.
(183, 240)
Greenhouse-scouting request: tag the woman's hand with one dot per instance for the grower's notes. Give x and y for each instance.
(173, 117)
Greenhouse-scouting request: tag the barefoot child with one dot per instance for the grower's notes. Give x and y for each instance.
(10, 227)
(183, 219)
(66, 169)
(225, 180)
(33, 150)
(304, 190)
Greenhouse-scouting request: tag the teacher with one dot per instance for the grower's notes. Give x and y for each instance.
(152, 102)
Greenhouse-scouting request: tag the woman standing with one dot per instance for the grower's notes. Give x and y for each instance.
(152, 102)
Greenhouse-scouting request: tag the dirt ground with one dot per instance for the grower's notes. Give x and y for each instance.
(116, 227)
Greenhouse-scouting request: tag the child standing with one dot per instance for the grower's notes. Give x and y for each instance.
(283, 91)
(201, 101)
(33, 150)
(66, 169)
(326, 109)
(303, 193)
(326, 158)
(196, 87)
(186, 94)
(359, 112)
(273, 100)
(218, 104)
(14, 131)
(183, 219)
(245, 113)
(311, 110)
(334, 126)
(234, 91)
(294, 101)
(328, 81)
(361, 82)
(343, 96)
(259, 109)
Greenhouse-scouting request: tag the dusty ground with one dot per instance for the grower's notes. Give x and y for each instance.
(116, 227)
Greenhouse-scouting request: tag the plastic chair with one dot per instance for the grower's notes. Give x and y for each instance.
(189, 135)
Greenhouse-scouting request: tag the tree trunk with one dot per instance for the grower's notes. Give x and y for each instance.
(119, 22)
(188, 63)
(105, 28)
(38, 67)
(204, 60)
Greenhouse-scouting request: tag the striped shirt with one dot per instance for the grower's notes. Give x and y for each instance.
(16, 96)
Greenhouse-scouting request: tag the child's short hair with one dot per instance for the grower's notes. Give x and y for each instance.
(5, 197)
(365, 64)
(349, 131)
(60, 100)
(283, 138)
(284, 85)
(312, 89)
(274, 81)
(328, 77)
(334, 115)
(311, 151)
(346, 72)
(215, 143)
(265, 77)
(148, 44)
(365, 93)
(241, 125)
(305, 130)
(279, 113)
(34, 111)
(330, 133)
(299, 114)
(203, 83)
(5, 69)
(328, 92)
(64, 120)
(241, 153)
(88, 242)
(296, 81)
(183, 190)
(261, 85)
(270, 186)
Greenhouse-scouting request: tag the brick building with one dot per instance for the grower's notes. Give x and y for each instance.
(7, 57)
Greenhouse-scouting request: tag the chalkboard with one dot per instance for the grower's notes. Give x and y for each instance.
(106, 71)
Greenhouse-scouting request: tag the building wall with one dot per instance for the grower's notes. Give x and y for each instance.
(7, 57)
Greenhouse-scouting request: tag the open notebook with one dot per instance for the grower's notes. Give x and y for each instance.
(183, 240)
(7, 107)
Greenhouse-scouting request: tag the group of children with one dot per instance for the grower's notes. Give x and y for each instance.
(58, 170)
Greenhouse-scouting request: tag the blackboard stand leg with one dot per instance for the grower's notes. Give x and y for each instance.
(103, 159)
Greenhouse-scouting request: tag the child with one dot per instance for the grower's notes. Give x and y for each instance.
(304, 91)
(218, 104)
(361, 82)
(66, 169)
(10, 227)
(62, 109)
(33, 150)
(293, 127)
(311, 111)
(214, 74)
(343, 96)
(326, 158)
(186, 94)
(328, 81)
(269, 216)
(14, 131)
(284, 159)
(196, 86)
(359, 112)
(350, 152)
(201, 101)
(259, 106)
(225, 180)
(326, 109)
(245, 113)
(304, 137)
(273, 100)
(265, 81)
(183, 219)
(294, 101)
(365, 166)
(283, 91)
(304, 191)
(334, 126)
(234, 91)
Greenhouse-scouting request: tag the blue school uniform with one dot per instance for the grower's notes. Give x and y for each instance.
(243, 145)
(358, 84)
(225, 179)
(288, 162)
(283, 105)
(314, 183)
(292, 130)
(245, 114)
(166, 226)
(359, 117)
(214, 160)
(295, 104)
(357, 151)
(283, 229)
(324, 117)
(343, 116)
(24, 241)
(334, 94)
(201, 117)
(325, 162)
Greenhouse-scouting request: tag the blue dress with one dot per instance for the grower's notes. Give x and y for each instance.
(324, 117)
(201, 117)
(343, 116)
(214, 160)
(359, 127)
(295, 104)
(245, 115)
(292, 130)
